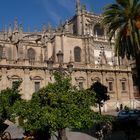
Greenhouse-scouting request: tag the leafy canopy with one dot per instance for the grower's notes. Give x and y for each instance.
(58, 105)
(122, 20)
(101, 92)
(7, 99)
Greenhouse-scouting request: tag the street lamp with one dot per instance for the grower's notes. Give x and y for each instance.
(60, 61)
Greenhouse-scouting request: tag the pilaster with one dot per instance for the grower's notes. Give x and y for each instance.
(130, 86)
(117, 86)
(4, 80)
(27, 87)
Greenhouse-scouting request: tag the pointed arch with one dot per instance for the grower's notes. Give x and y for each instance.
(31, 54)
(77, 54)
(95, 79)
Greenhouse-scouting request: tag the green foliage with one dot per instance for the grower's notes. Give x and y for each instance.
(101, 93)
(120, 19)
(58, 105)
(7, 99)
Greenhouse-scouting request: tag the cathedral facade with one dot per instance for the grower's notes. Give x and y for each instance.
(83, 42)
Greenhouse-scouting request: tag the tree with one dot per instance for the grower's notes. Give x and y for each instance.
(122, 20)
(57, 106)
(7, 99)
(101, 93)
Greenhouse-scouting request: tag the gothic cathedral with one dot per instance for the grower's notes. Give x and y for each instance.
(83, 42)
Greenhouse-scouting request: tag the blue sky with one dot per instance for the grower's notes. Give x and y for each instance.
(34, 13)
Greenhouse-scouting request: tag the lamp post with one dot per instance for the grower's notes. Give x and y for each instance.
(60, 61)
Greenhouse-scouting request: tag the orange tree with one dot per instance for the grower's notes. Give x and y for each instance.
(56, 107)
(8, 97)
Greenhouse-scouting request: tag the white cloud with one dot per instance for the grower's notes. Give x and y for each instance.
(55, 16)
(68, 4)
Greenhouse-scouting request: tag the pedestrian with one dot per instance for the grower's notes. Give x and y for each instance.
(117, 109)
(121, 106)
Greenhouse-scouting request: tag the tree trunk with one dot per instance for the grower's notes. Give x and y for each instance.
(42, 135)
(62, 134)
(100, 109)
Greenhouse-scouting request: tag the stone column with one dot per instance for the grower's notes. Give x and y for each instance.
(62, 43)
(86, 51)
(79, 18)
(117, 86)
(104, 108)
(83, 21)
(50, 49)
(88, 79)
(104, 78)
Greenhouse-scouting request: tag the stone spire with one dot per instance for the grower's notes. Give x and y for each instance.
(44, 29)
(78, 6)
(5, 32)
(20, 31)
(20, 27)
(5, 29)
(15, 25)
(10, 31)
(66, 26)
(79, 18)
(49, 27)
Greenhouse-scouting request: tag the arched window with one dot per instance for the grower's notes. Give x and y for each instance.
(1, 51)
(31, 55)
(96, 79)
(77, 54)
(98, 30)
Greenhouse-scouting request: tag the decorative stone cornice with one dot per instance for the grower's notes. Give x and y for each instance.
(80, 78)
(14, 77)
(36, 78)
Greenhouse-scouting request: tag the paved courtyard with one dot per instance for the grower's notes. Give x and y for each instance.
(17, 134)
(118, 134)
